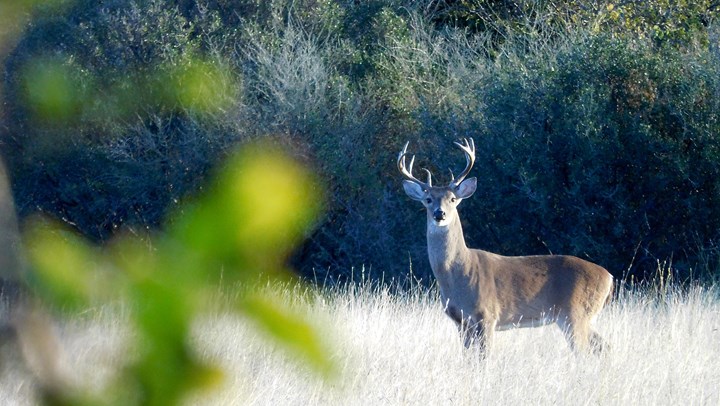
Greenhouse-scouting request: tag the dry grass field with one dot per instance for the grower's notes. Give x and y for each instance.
(393, 349)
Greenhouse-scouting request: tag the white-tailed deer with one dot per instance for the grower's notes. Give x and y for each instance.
(483, 292)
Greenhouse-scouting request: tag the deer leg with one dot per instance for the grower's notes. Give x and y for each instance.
(597, 343)
(576, 333)
(488, 332)
(480, 332)
(455, 314)
(465, 325)
(476, 330)
(474, 333)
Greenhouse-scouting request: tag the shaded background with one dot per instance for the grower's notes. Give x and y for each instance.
(596, 122)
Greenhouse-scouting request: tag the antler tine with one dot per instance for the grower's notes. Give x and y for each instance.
(429, 181)
(468, 148)
(407, 170)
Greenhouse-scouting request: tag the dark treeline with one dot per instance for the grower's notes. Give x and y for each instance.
(596, 122)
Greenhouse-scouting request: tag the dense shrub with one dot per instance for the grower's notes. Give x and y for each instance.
(609, 151)
(662, 21)
(130, 146)
(592, 141)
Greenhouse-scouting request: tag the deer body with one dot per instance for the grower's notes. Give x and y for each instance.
(483, 292)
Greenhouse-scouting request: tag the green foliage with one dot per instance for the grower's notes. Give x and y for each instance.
(502, 19)
(122, 90)
(242, 228)
(662, 21)
(614, 139)
(51, 91)
(596, 129)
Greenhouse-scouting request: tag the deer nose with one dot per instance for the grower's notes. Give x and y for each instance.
(439, 215)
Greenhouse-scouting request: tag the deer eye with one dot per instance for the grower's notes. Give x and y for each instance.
(429, 200)
(452, 199)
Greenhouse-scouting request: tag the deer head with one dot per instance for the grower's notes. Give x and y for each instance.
(440, 201)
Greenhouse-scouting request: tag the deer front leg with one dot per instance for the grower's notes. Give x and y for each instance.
(474, 333)
(475, 330)
(464, 323)
(479, 331)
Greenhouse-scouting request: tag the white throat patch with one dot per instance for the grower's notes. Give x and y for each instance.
(442, 224)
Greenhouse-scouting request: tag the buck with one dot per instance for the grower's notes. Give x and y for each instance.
(484, 292)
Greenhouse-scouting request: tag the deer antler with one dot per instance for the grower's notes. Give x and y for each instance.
(469, 150)
(407, 170)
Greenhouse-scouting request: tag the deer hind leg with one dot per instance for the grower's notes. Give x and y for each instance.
(577, 333)
(597, 343)
(580, 335)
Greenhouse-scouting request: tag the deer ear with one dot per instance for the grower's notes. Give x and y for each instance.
(466, 188)
(413, 190)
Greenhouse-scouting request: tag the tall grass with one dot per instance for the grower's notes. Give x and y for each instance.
(401, 349)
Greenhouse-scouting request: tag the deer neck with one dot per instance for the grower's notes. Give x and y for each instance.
(446, 246)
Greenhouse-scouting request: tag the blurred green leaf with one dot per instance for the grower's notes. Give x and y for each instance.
(203, 86)
(63, 265)
(51, 91)
(289, 329)
(276, 200)
(167, 368)
(261, 204)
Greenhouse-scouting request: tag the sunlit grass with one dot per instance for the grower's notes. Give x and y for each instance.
(402, 349)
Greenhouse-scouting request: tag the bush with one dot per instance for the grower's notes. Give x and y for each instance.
(613, 153)
(662, 21)
(597, 144)
(119, 145)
